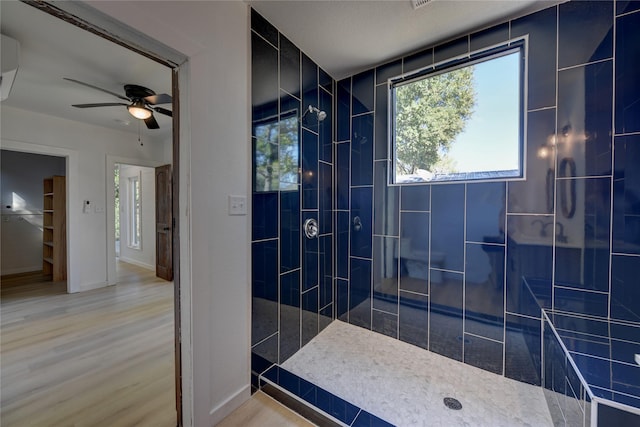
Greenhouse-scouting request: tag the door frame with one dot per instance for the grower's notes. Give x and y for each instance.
(112, 276)
(72, 199)
(90, 19)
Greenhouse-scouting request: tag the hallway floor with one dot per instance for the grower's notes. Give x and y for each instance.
(406, 385)
(103, 357)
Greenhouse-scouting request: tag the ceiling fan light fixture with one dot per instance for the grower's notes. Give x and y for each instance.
(139, 111)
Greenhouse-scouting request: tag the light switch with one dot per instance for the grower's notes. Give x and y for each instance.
(237, 205)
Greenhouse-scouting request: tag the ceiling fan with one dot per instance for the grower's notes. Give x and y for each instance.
(141, 102)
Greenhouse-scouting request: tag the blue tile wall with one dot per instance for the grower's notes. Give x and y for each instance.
(489, 37)
(343, 225)
(385, 274)
(486, 257)
(446, 321)
(523, 355)
(309, 315)
(264, 290)
(386, 201)
(595, 44)
(484, 290)
(360, 292)
(289, 314)
(627, 53)
(309, 170)
(447, 227)
(625, 293)
(381, 127)
(362, 150)
(289, 229)
(325, 130)
(343, 175)
(413, 252)
(483, 353)
(310, 257)
(343, 108)
(309, 91)
(542, 30)
(289, 67)
(626, 195)
(362, 92)
(584, 137)
(535, 195)
(413, 319)
(384, 323)
(292, 276)
(361, 226)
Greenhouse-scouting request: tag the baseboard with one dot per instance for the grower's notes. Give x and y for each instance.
(229, 405)
(138, 263)
(12, 271)
(90, 286)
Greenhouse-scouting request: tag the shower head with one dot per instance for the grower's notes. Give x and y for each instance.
(320, 114)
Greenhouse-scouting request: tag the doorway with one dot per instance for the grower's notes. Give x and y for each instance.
(134, 215)
(23, 208)
(78, 194)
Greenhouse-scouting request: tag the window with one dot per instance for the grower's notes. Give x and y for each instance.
(276, 163)
(135, 207)
(463, 120)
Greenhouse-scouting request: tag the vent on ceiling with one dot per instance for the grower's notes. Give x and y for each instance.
(419, 3)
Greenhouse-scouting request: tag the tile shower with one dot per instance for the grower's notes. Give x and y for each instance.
(469, 271)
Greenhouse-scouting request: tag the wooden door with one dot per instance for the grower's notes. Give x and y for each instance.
(164, 223)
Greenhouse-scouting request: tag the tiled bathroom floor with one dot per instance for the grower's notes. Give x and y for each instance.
(406, 385)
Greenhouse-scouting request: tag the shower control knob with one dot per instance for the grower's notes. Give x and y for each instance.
(311, 228)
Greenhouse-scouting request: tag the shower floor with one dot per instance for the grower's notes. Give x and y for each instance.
(406, 385)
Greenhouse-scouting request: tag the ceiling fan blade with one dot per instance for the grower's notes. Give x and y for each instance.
(103, 104)
(97, 88)
(151, 123)
(163, 111)
(162, 98)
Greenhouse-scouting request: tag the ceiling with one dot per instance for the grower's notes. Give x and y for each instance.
(51, 49)
(345, 37)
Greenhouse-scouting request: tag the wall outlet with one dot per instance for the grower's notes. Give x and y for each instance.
(87, 206)
(237, 205)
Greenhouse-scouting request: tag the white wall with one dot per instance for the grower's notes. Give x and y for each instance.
(215, 150)
(86, 148)
(21, 234)
(145, 255)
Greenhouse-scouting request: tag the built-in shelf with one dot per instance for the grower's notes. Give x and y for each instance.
(54, 228)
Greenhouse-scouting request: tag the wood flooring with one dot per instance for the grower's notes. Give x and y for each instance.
(103, 357)
(262, 411)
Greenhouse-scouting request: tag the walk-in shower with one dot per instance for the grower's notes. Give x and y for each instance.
(520, 327)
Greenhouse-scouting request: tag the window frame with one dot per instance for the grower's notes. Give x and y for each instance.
(135, 212)
(519, 45)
